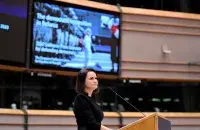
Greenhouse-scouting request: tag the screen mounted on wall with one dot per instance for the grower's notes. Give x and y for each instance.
(13, 21)
(70, 37)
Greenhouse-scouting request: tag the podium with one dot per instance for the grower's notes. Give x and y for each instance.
(150, 122)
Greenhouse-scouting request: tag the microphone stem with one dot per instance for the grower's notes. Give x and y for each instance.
(127, 101)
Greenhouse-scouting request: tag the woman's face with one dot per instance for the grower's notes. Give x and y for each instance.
(91, 81)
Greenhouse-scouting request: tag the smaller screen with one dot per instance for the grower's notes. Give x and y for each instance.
(13, 26)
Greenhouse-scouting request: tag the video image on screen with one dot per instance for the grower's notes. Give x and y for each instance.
(68, 37)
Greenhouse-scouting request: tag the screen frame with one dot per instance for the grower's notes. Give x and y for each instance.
(17, 63)
(65, 4)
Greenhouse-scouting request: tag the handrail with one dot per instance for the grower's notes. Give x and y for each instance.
(107, 114)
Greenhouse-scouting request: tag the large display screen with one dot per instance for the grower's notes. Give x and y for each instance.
(67, 36)
(13, 21)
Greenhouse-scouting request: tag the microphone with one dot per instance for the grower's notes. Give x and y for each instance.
(127, 101)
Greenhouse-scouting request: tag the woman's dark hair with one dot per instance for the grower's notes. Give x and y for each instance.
(80, 81)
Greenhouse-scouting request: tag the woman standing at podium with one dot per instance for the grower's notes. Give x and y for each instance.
(87, 113)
